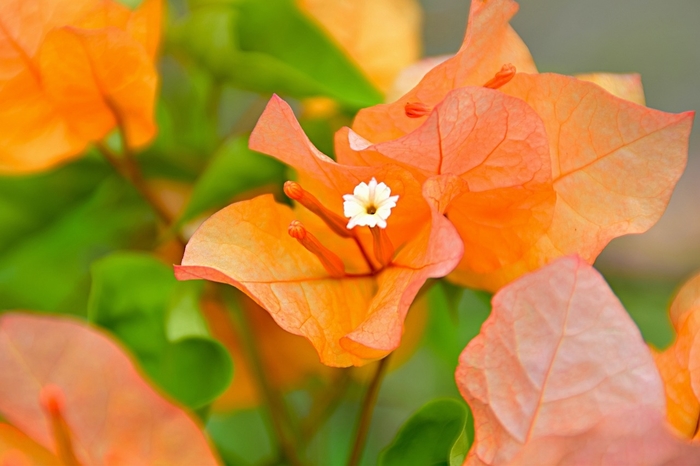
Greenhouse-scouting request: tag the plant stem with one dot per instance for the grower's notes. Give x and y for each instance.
(127, 167)
(365, 418)
(279, 416)
(325, 405)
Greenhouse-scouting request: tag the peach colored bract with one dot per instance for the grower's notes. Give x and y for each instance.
(612, 163)
(561, 375)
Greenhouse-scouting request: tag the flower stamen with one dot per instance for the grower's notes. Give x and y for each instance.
(383, 249)
(416, 109)
(329, 260)
(334, 221)
(369, 205)
(52, 400)
(501, 78)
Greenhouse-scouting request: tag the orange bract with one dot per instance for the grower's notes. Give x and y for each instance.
(680, 364)
(489, 43)
(560, 375)
(352, 319)
(613, 163)
(18, 449)
(63, 380)
(71, 72)
(368, 29)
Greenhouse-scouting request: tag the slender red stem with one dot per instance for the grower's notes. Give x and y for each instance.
(372, 268)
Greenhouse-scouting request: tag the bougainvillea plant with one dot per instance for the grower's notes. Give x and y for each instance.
(345, 275)
(245, 232)
(589, 138)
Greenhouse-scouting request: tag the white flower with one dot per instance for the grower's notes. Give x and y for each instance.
(369, 204)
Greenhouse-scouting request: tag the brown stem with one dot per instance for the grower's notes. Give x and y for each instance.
(365, 418)
(279, 416)
(127, 167)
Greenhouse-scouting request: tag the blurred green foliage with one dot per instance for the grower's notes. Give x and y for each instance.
(241, 437)
(647, 300)
(456, 317)
(233, 169)
(270, 47)
(49, 241)
(138, 299)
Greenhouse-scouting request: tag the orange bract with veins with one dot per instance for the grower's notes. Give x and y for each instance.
(560, 375)
(680, 363)
(489, 43)
(71, 72)
(612, 162)
(71, 390)
(313, 275)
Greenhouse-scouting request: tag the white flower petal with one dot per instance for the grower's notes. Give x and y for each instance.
(370, 220)
(372, 190)
(390, 203)
(382, 192)
(352, 208)
(361, 192)
(369, 197)
(383, 212)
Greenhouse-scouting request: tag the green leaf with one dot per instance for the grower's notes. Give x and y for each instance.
(208, 35)
(241, 437)
(55, 224)
(271, 46)
(435, 435)
(455, 318)
(277, 28)
(186, 124)
(183, 316)
(460, 448)
(137, 298)
(25, 207)
(234, 169)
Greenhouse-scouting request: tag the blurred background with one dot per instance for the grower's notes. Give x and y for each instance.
(50, 245)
